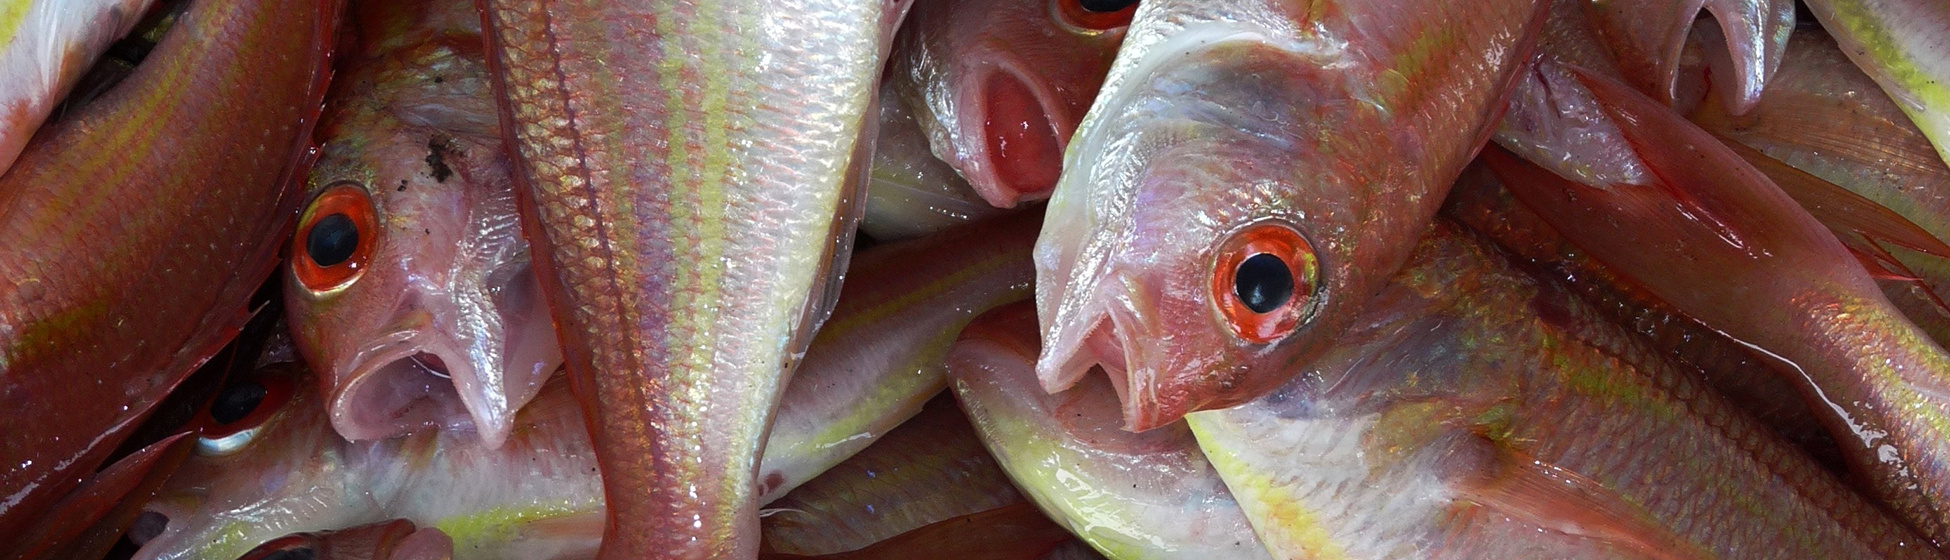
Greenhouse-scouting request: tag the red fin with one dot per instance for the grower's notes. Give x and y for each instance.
(1012, 532)
(1557, 499)
(1840, 209)
(1712, 235)
(87, 522)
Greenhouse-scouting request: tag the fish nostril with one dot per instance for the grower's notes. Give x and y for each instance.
(147, 527)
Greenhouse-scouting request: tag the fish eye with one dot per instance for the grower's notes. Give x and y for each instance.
(1098, 15)
(1263, 280)
(239, 412)
(336, 236)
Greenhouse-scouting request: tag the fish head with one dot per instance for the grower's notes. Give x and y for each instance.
(410, 287)
(1204, 239)
(262, 467)
(999, 85)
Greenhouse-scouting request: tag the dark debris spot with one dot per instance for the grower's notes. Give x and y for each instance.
(437, 150)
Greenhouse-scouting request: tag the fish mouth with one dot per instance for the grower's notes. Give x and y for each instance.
(1023, 131)
(407, 381)
(1107, 335)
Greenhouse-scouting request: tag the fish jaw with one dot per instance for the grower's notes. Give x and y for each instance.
(1649, 37)
(1001, 85)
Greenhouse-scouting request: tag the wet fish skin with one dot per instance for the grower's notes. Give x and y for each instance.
(999, 85)
(1130, 495)
(681, 165)
(1823, 115)
(447, 290)
(388, 540)
(929, 469)
(538, 495)
(1649, 37)
(1428, 431)
(880, 357)
(910, 193)
(1901, 44)
(1345, 120)
(46, 47)
(141, 225)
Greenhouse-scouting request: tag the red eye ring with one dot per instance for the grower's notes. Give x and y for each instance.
(1074, 13)
(342, 207)
(1236, 273)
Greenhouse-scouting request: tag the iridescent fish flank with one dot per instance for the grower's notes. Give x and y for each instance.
(409, 285)
(1250, 173)
(999, 85)
(682, 164)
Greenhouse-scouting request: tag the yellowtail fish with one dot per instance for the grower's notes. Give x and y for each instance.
(1250, 173)
(1131, 496)
(1902, 44)
(1478, 412)
(409, 286)
(140, 226)
(683, 164)
(46, 46)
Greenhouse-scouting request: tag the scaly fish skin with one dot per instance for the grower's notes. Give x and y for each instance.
(389, 540)
(445, 325)
(1330, 130)
(999, 85)
(682, 165)
(1130, 495)
(1902, 45)
(1477, 412)
(46, 46)
(140, 226)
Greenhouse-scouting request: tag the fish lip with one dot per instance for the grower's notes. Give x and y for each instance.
(1112, 343)
(384, 351)
(984, 175)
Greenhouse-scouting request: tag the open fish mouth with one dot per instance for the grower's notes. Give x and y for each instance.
(1023, 131)
(403, 383)
(1108, 335)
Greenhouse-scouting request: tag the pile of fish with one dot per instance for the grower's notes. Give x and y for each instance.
(985, 279)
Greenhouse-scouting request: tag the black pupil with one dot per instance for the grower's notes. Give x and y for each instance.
(1105, 6)
(332, 240)
(1263, 283)
(236, 402)
(304, 553)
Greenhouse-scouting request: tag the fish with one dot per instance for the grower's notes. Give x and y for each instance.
(1750, 381)
(880, 357)
(410, 285)
(1130, 495)
(1000, 85)
(1824, 116)
(932, 468)
(1012, 532)
(396, 539)
(46, 47)
(1479, 412)
(910, 193)
(1649, 37)
(141, 225)
(1899, 43)
(1250, 172)
(268, 463)
(680, 168)
(1722, 243)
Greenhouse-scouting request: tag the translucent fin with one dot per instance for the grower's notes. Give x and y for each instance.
(1844, 212)
(87, 522)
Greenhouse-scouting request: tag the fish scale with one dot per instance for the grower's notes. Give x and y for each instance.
(685, 164)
